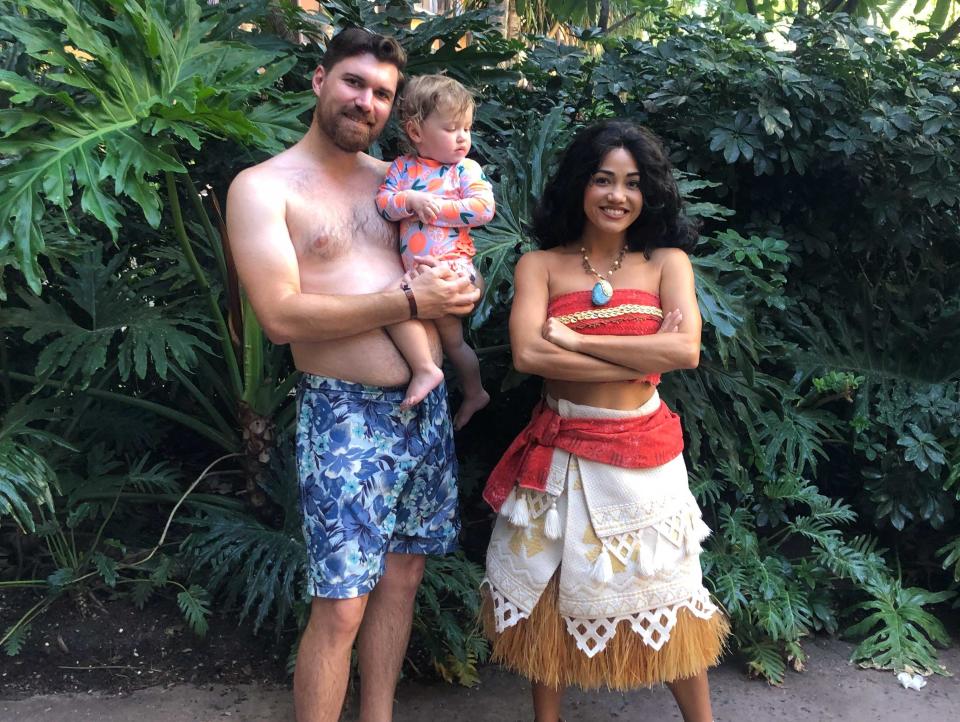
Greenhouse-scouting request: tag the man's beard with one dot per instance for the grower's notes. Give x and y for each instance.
(347, 135)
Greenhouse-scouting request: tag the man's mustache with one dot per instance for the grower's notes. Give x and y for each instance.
(361, 116)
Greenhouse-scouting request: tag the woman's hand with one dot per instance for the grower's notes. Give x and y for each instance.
(671, 322)
(558, 334)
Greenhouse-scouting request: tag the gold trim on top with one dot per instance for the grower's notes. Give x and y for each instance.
(610, 312)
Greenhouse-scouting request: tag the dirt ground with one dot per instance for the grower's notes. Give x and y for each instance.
(830, 689)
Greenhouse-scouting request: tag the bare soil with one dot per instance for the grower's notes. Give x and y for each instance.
(108, 645)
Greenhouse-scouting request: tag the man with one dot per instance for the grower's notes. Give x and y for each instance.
(377, 484)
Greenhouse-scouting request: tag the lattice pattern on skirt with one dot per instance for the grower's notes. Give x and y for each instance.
(675, 528)
(684, 531)
(505, 612)
(538, 502)
(653, 625)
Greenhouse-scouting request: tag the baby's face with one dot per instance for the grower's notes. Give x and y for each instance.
(442, 136)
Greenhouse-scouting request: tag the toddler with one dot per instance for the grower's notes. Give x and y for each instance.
(437, 194)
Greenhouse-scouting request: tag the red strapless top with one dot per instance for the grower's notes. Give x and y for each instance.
(630, 312)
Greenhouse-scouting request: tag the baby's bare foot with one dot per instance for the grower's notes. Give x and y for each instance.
(471, 405)
(422, 383)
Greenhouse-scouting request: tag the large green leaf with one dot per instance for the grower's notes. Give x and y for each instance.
(105, 321)
(120, 83)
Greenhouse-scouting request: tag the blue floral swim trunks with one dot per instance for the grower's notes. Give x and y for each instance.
(373, 479)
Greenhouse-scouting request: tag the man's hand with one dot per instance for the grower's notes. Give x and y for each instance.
(439, 291)
(556, 333)
(423, 205)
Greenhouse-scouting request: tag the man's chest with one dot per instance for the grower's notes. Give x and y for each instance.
(329, 225)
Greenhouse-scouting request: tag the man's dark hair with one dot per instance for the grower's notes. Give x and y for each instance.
(559, 217)
(351, 42)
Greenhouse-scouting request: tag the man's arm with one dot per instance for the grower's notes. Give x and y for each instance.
(270, 275)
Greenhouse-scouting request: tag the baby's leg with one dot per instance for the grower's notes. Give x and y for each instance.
(410, 337)
(465, 361)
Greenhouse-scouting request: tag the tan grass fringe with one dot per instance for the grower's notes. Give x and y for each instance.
(541, 649)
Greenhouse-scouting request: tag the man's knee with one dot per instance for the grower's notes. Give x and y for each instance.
(404, 572)
(339, 618)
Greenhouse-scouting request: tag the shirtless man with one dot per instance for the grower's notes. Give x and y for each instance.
(377, 484)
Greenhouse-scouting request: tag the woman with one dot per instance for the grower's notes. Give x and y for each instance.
(593, 571)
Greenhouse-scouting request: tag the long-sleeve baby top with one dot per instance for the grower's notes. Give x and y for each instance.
(464, 195)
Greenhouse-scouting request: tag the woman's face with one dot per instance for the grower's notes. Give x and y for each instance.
(612, 199)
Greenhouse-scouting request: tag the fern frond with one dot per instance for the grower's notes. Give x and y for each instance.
(15, 638)
(857, 559)
(260, 567)
(26, 478)
(194, 603)
(446, 617)
(901, 632)
(764, 659)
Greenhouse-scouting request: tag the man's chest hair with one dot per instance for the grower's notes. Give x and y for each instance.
(328, 222)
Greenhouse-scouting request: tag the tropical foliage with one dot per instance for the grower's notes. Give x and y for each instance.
(820, 153)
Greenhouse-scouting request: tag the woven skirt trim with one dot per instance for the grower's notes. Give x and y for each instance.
(640, 650)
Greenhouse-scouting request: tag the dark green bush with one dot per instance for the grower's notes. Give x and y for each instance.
(822, 424)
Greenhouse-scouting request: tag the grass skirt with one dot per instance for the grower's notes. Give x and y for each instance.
(541, 649)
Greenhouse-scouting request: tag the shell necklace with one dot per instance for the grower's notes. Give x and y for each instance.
(602, 289)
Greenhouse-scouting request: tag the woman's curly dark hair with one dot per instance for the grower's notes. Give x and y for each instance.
(559, 218)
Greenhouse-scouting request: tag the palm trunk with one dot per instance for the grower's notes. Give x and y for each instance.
(258, 437)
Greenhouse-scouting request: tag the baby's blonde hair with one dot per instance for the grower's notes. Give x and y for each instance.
(427, 93)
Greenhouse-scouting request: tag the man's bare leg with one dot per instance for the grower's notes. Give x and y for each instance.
(410, 338)
(465, 361)
(323, 661)
(546, 702)
(385, 633)
(693, 698)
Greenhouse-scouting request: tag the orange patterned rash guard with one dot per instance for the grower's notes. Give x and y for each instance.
(465, 197)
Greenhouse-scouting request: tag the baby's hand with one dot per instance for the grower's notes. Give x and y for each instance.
(423, 205)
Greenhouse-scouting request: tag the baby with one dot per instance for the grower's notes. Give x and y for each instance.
(437, 194)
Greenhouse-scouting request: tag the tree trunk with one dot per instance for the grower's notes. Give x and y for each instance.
(933, 48)
(506, 18)
(259, 433)
(801, 7)
(604, 19)
(752, 7)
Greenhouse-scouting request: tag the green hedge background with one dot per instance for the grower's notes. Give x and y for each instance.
(821, 154)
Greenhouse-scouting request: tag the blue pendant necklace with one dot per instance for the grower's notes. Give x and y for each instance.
(602, 290)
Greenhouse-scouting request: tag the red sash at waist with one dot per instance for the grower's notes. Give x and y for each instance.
(636, 442)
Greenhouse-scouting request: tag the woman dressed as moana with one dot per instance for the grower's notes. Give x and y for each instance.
(593, 572)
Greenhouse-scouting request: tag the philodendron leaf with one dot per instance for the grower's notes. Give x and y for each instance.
(113, 88)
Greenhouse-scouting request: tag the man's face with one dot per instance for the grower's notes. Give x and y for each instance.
(354, 99)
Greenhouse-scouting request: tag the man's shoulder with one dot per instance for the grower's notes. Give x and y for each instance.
(262, 175)
(376, 166)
